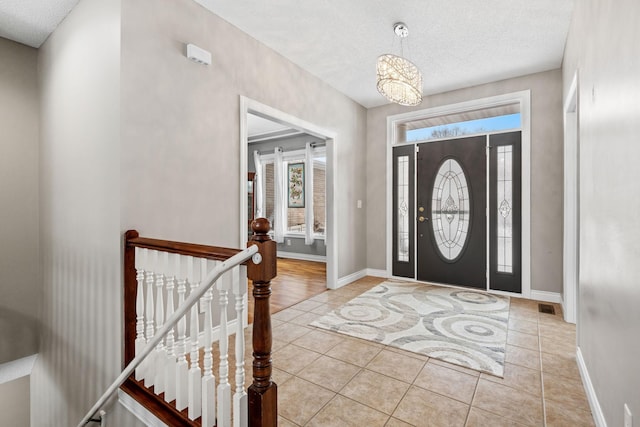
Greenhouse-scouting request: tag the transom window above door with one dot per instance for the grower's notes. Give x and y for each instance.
(475, 122)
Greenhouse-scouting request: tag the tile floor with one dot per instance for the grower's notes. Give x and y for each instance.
(328, 379)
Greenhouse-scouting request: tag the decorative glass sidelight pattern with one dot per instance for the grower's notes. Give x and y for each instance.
(450, 209)
(504, 226)
(402, 192)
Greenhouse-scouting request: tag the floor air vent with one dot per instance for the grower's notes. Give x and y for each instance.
(546, 308)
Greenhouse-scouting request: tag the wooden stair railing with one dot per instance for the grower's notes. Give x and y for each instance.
(259, 406)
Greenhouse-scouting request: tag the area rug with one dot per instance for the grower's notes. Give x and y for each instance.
(464, 327)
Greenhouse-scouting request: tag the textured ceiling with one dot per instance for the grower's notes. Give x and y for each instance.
(456, 43)
(30, 22)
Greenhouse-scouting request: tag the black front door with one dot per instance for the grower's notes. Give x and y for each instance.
(451, 212)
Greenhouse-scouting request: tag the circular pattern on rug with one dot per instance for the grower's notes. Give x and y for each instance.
(366, 313)
(464, 327)
(474, 297)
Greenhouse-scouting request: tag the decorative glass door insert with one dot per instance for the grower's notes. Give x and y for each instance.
(450, 209)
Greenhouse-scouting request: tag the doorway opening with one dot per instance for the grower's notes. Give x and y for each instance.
(458, 194)
(306, 235)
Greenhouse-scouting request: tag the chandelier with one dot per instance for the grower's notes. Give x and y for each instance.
(399, 80)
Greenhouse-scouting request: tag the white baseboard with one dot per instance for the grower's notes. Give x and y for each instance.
(596, 410)
(546, 296)
(18, 368)
(377, 273)
(342, 281)
(141, 413)
(302, 257)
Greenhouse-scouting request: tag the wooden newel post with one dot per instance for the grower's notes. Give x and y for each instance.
(263, 393)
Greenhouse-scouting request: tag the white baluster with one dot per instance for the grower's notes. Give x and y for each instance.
(208, 379)
(195, 384)
(149, 363)
(240, 404)
(224, 388)
(182, 368)
(161, 355)
(141, 255)
(170, 361)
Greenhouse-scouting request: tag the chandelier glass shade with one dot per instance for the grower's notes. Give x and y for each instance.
(399, 80)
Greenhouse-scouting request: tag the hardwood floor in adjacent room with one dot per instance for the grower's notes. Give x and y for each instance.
(296, 281)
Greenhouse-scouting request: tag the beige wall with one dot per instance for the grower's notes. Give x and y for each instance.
(181, 132)
(80, 354)
(546, 170)
(603, 47)
(14, 402)
(19, 282)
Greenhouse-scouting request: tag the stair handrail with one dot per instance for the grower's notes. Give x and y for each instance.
(194, 297)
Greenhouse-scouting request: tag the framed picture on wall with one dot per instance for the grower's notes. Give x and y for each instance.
(295, 184)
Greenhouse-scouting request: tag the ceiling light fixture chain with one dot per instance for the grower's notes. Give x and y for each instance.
(398, 79)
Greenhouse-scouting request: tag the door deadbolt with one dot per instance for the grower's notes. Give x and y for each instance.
(420, 209)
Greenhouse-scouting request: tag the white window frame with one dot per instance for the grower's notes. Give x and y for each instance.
(524, 99)
(292, 156)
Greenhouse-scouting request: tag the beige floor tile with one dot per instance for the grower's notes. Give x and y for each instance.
(287, 314)
(523, 302)
(523, 357)
(288, 332)
(551, 319)
(323, 308)
(356, 352)
(566, 391)
(525, 326)
(319, 341)
(293, 359)
(523, 314)
(321, 298)
(305, 319)
(421, 407)
(445, 381)
(408, 353)
(300, 400)
(479, 418)
(563, 332)
(346, 292)
(329, 373)
(307, 305)
(559, 416)
(364, 341)
(343, 412)
(521, 339)
(455, 367)
(395, 365)
(279, 376)
(560, 365)
(553, 346)
(519, 377)
(394, 422)
(508, 402)
(275, 345)
(283, 422)
(361, 386)
(333, 297)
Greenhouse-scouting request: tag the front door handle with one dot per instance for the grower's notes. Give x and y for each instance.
(422, 219)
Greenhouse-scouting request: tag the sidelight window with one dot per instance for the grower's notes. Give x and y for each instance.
(505, 209)
(402, 193)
